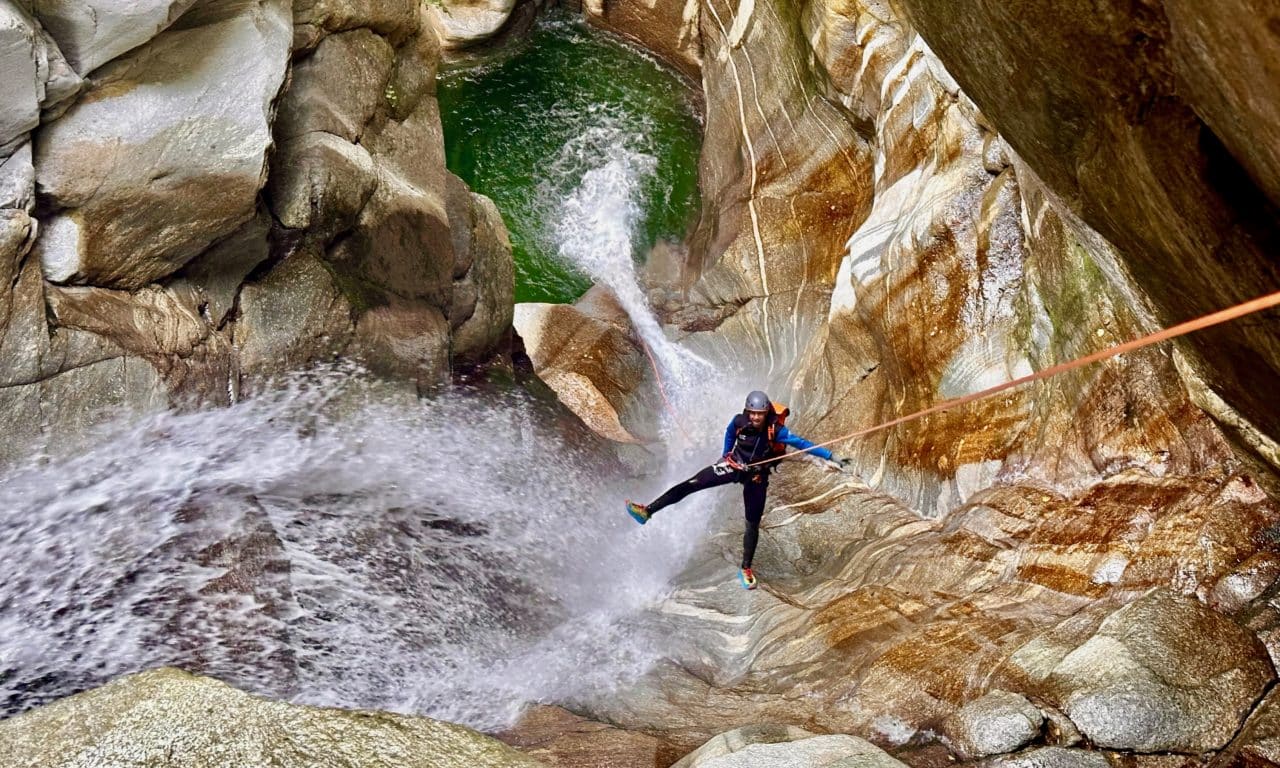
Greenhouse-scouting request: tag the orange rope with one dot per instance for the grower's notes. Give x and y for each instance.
(1231, 313)
(662, 389)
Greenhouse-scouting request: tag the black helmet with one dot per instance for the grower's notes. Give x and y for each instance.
(757, 401)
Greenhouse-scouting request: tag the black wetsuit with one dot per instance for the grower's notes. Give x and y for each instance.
(755, 485)
(745, 445)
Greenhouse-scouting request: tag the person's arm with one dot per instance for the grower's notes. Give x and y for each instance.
(728, 439)
(785, 437)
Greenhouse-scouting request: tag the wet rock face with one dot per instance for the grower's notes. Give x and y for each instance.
(184, 203)
(138, 720)
(1163, 139)
(668, 28)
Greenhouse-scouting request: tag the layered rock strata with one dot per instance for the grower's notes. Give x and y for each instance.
(205, 223)
(1050, 544)
(1163, 139)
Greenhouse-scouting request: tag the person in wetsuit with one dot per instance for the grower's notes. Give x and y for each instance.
(752, 436)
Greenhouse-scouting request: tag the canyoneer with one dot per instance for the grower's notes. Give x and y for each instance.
(753, 442)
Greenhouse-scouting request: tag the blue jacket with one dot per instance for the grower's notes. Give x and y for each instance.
(783, 436)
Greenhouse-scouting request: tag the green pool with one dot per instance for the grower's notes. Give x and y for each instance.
(527, 127)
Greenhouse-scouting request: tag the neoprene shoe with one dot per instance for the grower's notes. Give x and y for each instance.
(747, 578)
(638, 512)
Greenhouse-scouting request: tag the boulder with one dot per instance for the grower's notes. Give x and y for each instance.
(166, 152)
(995, 724)
(592, 364)
(94, 32)
(320, 183)
(1052, 757)
(293, 316)
(464, 23)
(22, 88)
(565, 740)
(1146, 680)
(337, 89)
(313, 19)
(766, 746)
(482, 311)
(167, 716)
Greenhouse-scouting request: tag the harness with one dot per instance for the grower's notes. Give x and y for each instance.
(747, 448)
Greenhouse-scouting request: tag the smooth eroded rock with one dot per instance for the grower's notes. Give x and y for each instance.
(1163, 139)
(167, 716)
(1149, 681)
(22, 87)
(997, 723)
(167, 150)
(667, 28)
(565, 740)
(770, 746)
(464, 23)
(591, 364)
(92, 33)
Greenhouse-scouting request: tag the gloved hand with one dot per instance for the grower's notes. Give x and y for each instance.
(840, 464)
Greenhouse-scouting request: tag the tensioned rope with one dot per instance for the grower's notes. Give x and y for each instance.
(1182, 329)
(1200, 323)
(662, 390)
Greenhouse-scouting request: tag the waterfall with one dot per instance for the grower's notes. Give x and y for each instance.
(456, 558)
(593, 191)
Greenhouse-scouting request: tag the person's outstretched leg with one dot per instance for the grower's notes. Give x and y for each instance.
(754, 490)
(708, 477)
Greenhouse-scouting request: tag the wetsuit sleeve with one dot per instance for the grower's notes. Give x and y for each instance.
(728, 439)
(799, 443)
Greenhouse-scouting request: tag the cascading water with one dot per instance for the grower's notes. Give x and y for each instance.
(455, 558)
(593, 193)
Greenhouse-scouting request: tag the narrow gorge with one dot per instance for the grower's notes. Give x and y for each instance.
(334, 333)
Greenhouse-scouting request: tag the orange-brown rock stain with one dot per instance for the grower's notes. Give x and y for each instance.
(926, 338)
(942, 664)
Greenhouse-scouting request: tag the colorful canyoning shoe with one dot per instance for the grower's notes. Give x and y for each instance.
(747, 578)
(638, 512)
